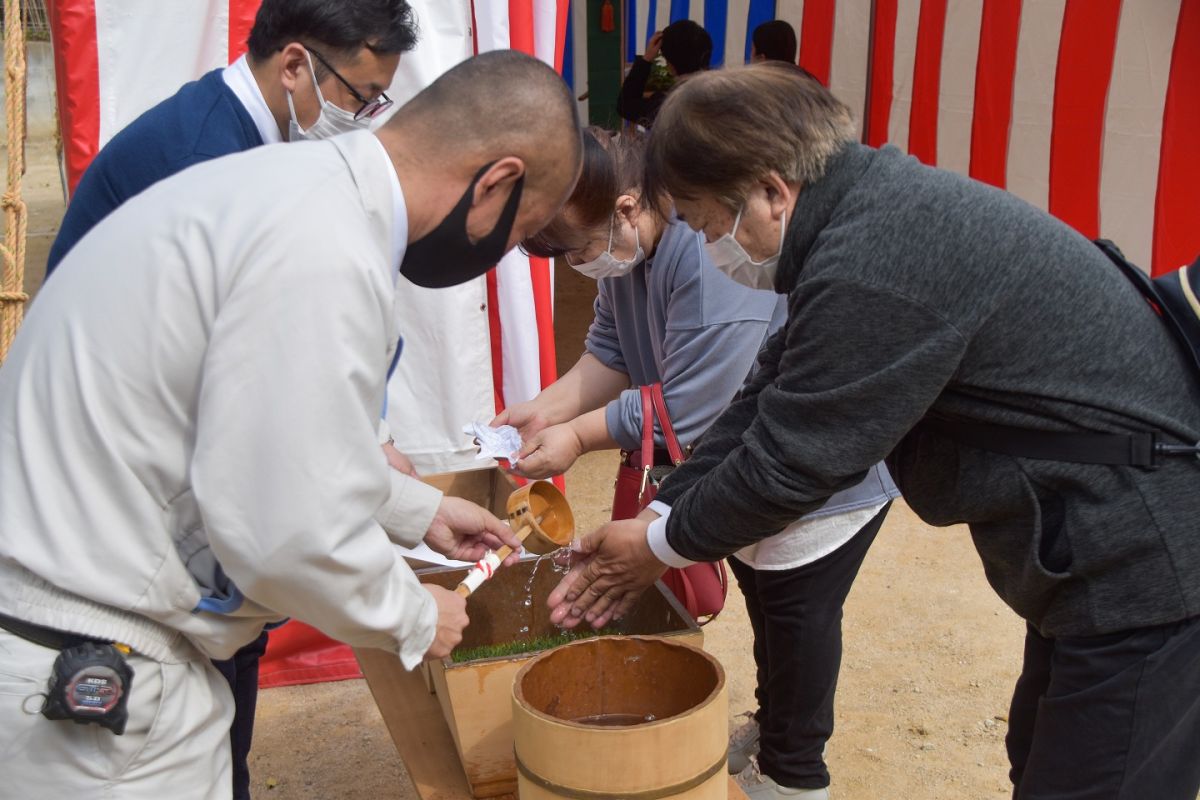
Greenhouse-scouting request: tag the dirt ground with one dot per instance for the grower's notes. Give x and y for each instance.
(930, 652)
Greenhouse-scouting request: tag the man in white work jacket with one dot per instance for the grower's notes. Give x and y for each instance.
(188, 444)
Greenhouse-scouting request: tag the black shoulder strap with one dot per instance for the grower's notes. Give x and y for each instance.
(1181, 314)
(1171, 296)
(1115, 449)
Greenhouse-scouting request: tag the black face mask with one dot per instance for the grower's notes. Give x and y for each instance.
(446, 256)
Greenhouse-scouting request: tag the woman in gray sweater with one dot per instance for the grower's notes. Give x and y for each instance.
(665, 314)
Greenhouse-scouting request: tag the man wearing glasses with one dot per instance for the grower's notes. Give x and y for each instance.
(315, 68)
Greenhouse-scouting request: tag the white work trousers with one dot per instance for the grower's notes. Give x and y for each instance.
(176, 744)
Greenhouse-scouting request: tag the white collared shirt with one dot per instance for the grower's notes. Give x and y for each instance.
(803, 542)
(399, 209)
(240, 79)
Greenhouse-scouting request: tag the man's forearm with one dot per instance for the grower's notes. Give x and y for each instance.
(630, 104)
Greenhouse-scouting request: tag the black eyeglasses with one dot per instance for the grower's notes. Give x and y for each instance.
(370, 108)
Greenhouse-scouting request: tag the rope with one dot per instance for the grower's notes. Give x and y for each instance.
(12, 279)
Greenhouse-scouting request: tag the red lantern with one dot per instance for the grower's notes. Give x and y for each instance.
(607, 23)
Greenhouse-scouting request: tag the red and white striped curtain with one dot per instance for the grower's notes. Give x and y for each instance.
(116, 58)
(1087, 108)
(473, 349)
(522, 286)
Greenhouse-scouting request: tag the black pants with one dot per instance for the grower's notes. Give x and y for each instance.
(796, 615)
(242, 673)
(1114, 717)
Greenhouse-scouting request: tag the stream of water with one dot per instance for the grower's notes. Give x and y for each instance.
(558, 568)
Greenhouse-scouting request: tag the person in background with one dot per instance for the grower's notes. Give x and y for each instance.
(189, 414)
(666, 314)
(687, 49)
(974, 341)
(773, 41)
(314, 69)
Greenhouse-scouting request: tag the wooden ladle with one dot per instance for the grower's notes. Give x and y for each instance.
(541, 519)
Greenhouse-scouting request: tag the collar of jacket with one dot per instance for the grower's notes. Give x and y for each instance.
(815, 206)
(360, 151)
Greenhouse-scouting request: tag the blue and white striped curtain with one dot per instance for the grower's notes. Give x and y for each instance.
(729, 22)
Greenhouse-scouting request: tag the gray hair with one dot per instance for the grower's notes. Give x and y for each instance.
(720, 131)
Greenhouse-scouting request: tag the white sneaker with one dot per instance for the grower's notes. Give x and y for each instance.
(743, 743)
(761, 787)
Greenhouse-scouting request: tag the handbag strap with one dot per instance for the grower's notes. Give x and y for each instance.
(647, 440)
(660, 408)
(723, 579)
(647, 427)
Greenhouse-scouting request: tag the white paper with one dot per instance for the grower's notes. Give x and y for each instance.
(502, 442)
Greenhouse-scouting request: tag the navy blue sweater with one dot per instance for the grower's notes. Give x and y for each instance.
(203, 120)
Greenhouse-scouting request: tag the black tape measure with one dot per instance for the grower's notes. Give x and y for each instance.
(90, 684)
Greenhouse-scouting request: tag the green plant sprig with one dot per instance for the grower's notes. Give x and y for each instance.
(531, 645)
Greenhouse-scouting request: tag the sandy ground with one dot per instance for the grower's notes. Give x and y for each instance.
(930, 653)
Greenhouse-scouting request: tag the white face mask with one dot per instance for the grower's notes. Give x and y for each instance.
(728, 255)
(606, 265)
(332, 120)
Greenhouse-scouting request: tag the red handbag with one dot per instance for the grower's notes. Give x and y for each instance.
(701, 587)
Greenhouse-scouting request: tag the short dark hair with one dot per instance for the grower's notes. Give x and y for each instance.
(479, 110)
(776, 40)
(339, 28)
(612, 166)
(686, 46)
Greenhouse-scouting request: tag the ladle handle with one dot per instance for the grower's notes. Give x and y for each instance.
(487, 566)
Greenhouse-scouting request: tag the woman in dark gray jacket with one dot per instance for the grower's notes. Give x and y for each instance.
(934, 321)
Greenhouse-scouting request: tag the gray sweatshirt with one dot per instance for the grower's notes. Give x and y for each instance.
(913, 290)
(674, 318)
(677, 319)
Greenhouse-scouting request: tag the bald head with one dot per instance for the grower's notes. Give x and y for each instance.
(498, 127)
(501, 103)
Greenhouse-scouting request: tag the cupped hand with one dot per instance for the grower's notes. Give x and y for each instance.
(466, 532)
(551, 452)
(614, 566)
(452, 619)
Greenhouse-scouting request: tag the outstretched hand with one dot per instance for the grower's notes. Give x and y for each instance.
(615, 565)
(464, 531)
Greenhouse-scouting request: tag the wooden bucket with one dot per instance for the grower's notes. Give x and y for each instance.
(623, 717)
